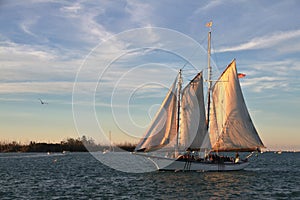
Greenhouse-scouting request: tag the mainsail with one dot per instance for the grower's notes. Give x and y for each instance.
(193, 127)
(163, 129)
(231, 128)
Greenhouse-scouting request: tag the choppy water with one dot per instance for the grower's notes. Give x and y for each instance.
(81, 176)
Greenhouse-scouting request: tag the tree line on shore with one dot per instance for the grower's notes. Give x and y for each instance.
(72, 145)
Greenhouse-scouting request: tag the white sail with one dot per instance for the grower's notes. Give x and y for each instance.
(163, 129)
(193, 126)
(231, 128)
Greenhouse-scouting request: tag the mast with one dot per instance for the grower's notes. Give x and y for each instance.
(178, 108)
(110, 145)
(209, 71)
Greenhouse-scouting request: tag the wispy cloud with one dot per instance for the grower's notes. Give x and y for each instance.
(140, 12)
(36, 88)
(267, 83)
(85, 19)
(272, 76)
(264, 41)
(209, 6)
(21, 63)
(26, 25)
(11, 49)
(72, 10)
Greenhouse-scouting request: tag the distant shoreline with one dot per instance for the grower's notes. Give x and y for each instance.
(70, 145)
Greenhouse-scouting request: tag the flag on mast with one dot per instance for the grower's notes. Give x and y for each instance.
(241, 75)
(209, 24)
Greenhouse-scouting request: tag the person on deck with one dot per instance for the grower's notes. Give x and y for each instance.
(237, 157)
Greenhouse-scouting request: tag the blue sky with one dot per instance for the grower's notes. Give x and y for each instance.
(44, 45)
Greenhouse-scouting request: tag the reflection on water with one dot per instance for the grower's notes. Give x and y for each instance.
(229, 184)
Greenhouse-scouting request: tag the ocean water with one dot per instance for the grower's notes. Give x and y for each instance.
(82, 176)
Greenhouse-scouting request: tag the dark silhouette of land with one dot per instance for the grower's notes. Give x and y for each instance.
(72, 145)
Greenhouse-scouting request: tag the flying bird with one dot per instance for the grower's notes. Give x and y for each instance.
(42, 102)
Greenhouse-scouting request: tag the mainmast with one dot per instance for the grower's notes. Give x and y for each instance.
(209, 24)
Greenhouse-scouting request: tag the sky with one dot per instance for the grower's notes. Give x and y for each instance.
(105, 66)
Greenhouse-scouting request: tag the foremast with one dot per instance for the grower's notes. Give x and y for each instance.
(179, 86)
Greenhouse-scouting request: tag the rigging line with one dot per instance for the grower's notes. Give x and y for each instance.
(185, 164)
(202, 41)
(187, 60)
(184, 65)
(215, 55)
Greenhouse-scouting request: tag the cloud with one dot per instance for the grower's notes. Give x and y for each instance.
(58, 24)
(140, 12)
(280, 75)
(21, 63)
(36, 87)
(209, 6)
(267, 41)
(11, 49)
(26, 25)
(73, 9)
(84, 19)
(264, 83)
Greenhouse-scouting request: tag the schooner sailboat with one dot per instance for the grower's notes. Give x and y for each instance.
(186, 135)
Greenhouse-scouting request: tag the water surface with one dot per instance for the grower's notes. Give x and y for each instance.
(81, 176)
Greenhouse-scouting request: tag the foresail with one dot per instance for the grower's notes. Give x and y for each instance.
(162, 131)
(231, 127)
(193, 127)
